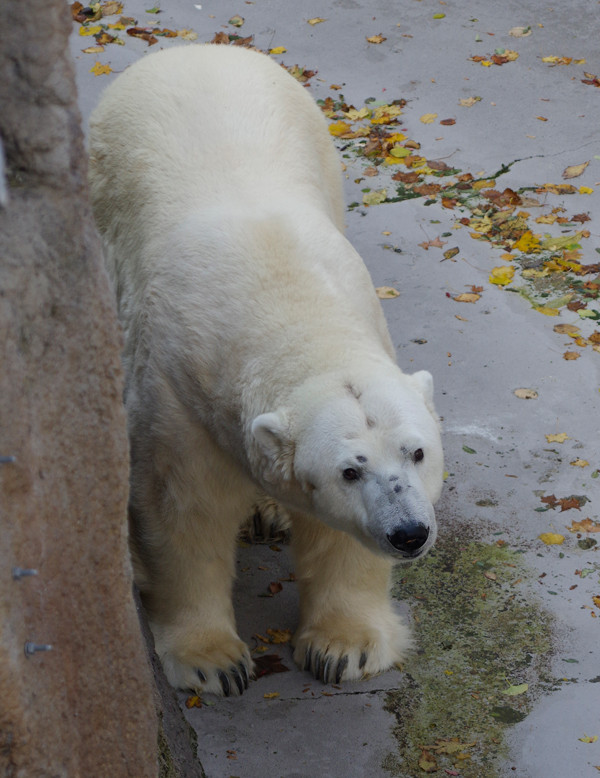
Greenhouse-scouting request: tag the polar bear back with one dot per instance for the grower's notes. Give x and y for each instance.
(212, 125)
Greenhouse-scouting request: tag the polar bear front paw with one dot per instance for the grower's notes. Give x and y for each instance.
(215, 664)
(353, 653)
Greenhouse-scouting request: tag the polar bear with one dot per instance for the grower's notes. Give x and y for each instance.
(257, 362)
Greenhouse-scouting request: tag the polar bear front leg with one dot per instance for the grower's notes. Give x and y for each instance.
(185, 521)
(348, 628)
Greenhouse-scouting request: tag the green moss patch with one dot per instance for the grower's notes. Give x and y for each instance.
(483, 648)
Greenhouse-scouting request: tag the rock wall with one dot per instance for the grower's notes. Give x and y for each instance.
(85, 707)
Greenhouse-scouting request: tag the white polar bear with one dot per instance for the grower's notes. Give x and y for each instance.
(257, 358)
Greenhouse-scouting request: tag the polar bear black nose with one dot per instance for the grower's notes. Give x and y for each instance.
(409, 538)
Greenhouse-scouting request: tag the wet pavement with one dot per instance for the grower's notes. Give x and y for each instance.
(456, 154)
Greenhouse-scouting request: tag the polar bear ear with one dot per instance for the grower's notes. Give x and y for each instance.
(272, 433)
(423, 380)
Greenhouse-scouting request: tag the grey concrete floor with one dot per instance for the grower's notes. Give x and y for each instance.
(538, 118)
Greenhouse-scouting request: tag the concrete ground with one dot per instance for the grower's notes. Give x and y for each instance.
(506, 677)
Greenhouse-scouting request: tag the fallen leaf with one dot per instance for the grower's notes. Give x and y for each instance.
(451, 746)
(93, 50)
(275, 587)
(448, 122)
(467, 297)
(449, 253)
(316, 20)
(427, 762)
(111, 8)
(558, 437)
(520, 32)
(375, 197)
(279, 635)
(469, 101)
(190, 35)
(586, 525)
(570, 355)
(526, 394)
(338, 129)
(386, 292)
(193, 702)
(513, 691)
(101, 70)
(573, 171)
(552, 538)
(579, 463)
(428, 118)
(271, 695)
(268, 665)
(278, 50)
(376, 38)
(586, 190)
(566, 329)
(237, 21)
(145, 33)
(502, 275)
(588, 738)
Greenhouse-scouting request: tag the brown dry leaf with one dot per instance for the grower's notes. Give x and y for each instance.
(370, 171)
(448, 122)
(193, 702)
(550, 500)
(449, 253)
(586, 525)
(268, 665)
(316, 20)
(145, 33)
(566, 329)
(573, 171)
(275, 587)
(93, 50)
(570, 355)
(376, 38)
(566, 503)
(436, 243)
(221, 38)
(467, 297)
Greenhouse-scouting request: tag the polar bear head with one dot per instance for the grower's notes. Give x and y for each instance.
(365, 459)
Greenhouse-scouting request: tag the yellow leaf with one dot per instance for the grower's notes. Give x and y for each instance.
(579, 462)
(271, 695)
(90, 30)
(279, 635)
(428, 118)
(427, 762)
(502, 275)
(101, 70)
(386, 292)
(278, 50)
(586, 190)
(356, 116)
(486, 63)
(573, 171)
(552, 538)
(469, 101)
(527, 243)
(93, 50)
(588, 738)
(339, 128)
(559, 437)
(316, 20)
(549, 218)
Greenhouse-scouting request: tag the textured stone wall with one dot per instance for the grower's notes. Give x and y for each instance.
(84, 708)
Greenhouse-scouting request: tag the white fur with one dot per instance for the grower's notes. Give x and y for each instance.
(257, 359)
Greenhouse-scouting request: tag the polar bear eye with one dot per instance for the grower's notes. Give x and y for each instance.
(418, 455)
(350, 474)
